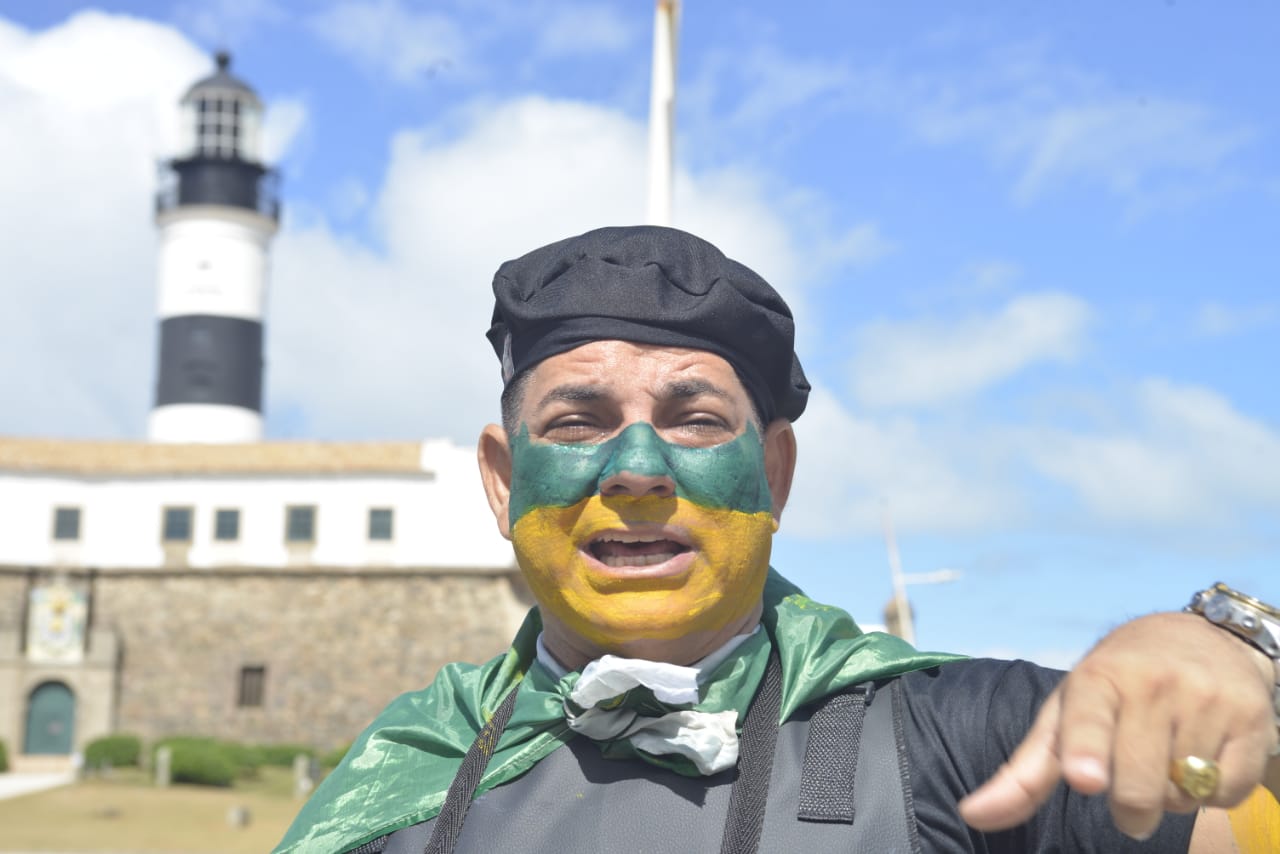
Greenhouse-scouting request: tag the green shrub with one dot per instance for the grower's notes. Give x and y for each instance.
(281, 755)
(116, 751)
(214, 761)
(4, 757)
(201, 761)
(244, 757)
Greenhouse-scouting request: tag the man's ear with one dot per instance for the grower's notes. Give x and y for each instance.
(494, 455)
(779, 462)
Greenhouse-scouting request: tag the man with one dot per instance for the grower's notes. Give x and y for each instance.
(671, 693)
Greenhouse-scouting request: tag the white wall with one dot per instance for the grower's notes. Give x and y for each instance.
(439, 522)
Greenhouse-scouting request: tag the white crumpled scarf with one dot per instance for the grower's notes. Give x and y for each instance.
(707, 739)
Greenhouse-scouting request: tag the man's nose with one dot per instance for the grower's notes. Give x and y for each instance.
(638, 465)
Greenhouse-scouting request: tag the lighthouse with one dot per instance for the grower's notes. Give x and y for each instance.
(217, 209)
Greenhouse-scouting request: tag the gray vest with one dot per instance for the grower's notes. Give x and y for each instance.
(839, 783)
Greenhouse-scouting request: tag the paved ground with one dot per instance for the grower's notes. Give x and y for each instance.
(12, 785)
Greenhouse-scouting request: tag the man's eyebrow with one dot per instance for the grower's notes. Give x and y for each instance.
(570, 392)
(680, 389)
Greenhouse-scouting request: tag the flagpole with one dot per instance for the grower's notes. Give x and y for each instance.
(662, 108)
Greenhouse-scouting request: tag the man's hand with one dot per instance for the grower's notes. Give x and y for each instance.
(1156, 689)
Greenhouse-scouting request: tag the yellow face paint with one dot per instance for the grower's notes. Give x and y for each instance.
(718, 580)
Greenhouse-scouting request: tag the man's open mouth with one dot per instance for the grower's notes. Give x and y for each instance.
(620, 549)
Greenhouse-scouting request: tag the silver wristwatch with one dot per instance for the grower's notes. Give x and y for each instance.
(1249, 619)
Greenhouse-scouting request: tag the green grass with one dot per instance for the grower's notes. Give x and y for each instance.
(124, 813)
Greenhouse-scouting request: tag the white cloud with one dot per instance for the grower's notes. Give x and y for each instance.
(1052, 125)
(96, 99)
(1123, 145)
(755, 97)
(285, 119)
(226, 22)
(1189, 458)
(577, 29)
(850, 466)
(992, 276)
(863, 244)
(775, 84)
(389, 38)
(925, 362)
(1215, 319)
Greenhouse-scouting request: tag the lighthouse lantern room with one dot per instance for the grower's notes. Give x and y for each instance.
(217, 209)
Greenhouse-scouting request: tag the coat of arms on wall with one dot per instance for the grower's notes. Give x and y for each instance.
(55, 623)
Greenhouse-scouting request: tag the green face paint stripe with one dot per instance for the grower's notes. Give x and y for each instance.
(727, 476)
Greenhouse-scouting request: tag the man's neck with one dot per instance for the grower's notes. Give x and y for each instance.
(574, 651)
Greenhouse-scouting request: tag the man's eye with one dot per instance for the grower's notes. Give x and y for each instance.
(571, 431)
(704, 421)
(703, 428)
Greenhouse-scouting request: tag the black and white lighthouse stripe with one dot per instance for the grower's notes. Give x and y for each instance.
(217, 213)
(210, 360)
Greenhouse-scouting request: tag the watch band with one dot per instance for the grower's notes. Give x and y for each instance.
(1249, 619)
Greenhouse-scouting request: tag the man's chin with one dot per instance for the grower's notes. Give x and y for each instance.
(642, 618)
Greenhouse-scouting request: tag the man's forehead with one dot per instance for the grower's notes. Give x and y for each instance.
(621, 369)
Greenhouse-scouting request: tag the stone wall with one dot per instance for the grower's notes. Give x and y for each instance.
(337, 645)
(13, 592)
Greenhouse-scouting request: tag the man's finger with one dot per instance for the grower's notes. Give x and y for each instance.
(1087, 730)
(1139, 775)
(1024, 782)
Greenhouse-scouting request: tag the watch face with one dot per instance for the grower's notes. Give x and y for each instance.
(1218, 608)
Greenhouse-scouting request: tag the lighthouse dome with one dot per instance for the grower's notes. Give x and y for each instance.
(221, 117)
(221, 83)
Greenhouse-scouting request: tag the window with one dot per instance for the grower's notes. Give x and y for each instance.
(253, 679)
(177, 525)
(300, 524)
(66, 523)
(381, 523)
(218, 127)
(226, 525)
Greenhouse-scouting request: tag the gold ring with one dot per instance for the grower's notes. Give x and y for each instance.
(1195, 776)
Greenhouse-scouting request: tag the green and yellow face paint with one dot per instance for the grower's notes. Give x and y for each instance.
(619, 568)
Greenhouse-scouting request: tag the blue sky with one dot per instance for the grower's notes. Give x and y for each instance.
(1031, 249)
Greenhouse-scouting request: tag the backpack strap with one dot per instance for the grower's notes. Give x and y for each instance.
(856, 770)
(831, 757)
(750, 792)
(458, 799)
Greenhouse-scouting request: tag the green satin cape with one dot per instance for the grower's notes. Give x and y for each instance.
(399, 769)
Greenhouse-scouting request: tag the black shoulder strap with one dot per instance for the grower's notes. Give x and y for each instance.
(750, 791)
(458, 799)
(831, 757)
(856, 770)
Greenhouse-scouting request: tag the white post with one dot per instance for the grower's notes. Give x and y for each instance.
(662, 111)
(164, 766)
(903, 606)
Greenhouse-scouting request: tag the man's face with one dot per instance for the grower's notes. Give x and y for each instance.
(638, 496)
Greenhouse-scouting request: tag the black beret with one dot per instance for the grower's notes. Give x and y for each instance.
(651, 285)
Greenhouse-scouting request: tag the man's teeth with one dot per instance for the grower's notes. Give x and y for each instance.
(637, 560)
(622, 537)
(621, 549)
